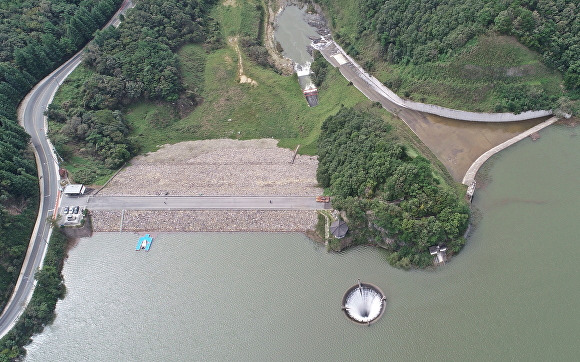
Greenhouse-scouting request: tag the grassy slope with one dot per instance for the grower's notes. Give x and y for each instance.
(467, 80)
(464, 81)
(70, 90)
(275, 108)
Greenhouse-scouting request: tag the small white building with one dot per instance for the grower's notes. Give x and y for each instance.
(74, 190)
(440, 252)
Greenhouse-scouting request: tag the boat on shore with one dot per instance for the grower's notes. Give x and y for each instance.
(144, 243)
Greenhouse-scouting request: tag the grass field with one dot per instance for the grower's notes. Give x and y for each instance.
(275, 108)
(469, 79)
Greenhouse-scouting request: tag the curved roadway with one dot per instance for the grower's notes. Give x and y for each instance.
(31, 116)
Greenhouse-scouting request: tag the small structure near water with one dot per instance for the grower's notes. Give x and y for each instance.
(74, 190)
(339, 228)
(440, 252)
(311, 94)
(470, 191)
(295, 33)
(364, 303)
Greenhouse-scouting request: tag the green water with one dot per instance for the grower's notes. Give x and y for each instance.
(512, 293)
(293, 33)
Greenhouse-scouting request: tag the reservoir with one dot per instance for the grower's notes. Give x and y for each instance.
(293, 34)
(509, 295)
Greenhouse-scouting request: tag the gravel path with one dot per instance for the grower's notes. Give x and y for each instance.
(213, 167)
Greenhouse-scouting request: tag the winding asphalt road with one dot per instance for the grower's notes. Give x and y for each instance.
(31, 116)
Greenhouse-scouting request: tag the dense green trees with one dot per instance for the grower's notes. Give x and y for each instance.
(138, 57)
(35, 37)
(423, 31)
(319, 68)
(388, 196)
(40, 310)
(133, 62)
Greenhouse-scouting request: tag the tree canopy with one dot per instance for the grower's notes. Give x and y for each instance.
(437, 50)
(133, 62)
(391, 198)
(421, 31)
(140, 53)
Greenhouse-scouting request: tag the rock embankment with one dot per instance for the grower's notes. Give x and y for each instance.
(218, 168)
(204, 220)
(213, 167)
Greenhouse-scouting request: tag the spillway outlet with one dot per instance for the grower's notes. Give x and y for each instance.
(364, 303)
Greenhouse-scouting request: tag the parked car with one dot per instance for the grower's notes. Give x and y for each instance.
(76, 210)
(65, 210)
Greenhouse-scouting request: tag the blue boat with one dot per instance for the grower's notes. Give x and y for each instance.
(144, 242)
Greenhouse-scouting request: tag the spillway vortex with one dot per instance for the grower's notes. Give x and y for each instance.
(364, 303)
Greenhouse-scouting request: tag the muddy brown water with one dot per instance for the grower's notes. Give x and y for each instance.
(457, 144)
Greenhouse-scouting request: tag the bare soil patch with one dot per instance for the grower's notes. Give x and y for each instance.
(243, 77)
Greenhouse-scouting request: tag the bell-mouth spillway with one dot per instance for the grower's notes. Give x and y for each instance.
(364, 303)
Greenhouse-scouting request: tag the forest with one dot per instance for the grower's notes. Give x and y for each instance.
(134, 62)
(36, 36)
(417, 32)
(390, 199)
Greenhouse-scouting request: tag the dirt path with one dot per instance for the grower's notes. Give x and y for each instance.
(243, 78)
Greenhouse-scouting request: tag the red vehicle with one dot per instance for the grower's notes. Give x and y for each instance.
(322, 198)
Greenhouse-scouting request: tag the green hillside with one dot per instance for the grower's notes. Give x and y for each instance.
(482, 56)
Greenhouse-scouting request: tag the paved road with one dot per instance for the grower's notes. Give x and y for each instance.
(371, 87)
(417, 119)
(204, 202)
(31, 115)
(360, 80)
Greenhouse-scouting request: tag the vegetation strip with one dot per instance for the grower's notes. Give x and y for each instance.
(331, 50)
(33, 48)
